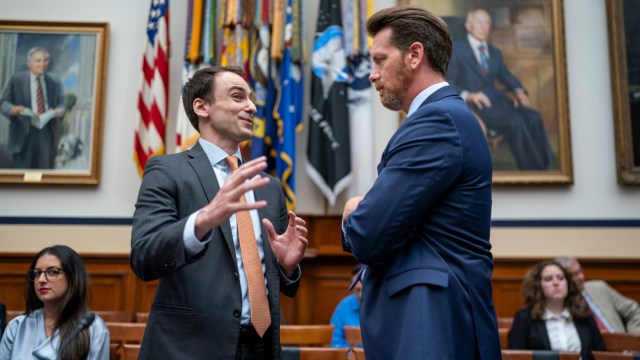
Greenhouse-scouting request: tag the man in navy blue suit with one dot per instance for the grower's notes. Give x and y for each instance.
(422, 230)
(475, 68)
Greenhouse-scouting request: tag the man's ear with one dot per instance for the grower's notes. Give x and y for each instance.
(415, 54)
(200, 107)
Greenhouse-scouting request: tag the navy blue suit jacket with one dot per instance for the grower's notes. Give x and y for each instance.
(423, 232)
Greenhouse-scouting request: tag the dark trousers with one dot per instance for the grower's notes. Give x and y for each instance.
(251, 346)
(524, 131)
(38, 151)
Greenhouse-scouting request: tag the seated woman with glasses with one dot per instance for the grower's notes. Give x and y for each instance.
(555, 316)
(56, 302)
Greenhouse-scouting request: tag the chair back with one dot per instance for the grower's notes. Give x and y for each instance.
(611, 355)
(539, 355)
(306, 335)
(131, 351)
(126, 332)
(505, 322)
(358, 353)
(142, 317)
(114, 315)
(621, 342)
(352, 335)
(504, 337)
(315, 353)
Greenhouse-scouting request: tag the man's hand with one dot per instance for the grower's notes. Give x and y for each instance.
(59, 112)
(17, 110)
(289, 247)
(227, 200)
(350, 206)
(521, 98)
(479, 99)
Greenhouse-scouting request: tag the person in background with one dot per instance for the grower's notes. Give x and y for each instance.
(27, 98)
(612, 311)
(422, 230)
(57, 291)
(476, 66)
(554, 315)
(347, 313)
(3, 317)
(215, 234)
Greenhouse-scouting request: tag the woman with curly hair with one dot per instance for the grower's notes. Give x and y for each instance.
(554, 316)
(56, 300)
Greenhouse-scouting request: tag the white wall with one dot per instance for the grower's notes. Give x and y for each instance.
(595, 194)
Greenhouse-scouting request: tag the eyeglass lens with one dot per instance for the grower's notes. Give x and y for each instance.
(50, 273)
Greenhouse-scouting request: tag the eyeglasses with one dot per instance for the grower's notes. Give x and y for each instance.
(51, 273)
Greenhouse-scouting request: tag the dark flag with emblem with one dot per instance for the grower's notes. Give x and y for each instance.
(329, 164)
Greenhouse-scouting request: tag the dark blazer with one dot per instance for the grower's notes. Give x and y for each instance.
(529, 334)
(465, 73)
(197, 306)
(423, 232)
(17, 91)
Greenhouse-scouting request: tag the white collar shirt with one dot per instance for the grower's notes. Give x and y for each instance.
(562, 331)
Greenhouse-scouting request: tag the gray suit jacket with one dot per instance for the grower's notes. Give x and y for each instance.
(196, 310)
(17, 91)
(621, 312)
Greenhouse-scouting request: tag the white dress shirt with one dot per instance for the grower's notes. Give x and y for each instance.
(563, 335)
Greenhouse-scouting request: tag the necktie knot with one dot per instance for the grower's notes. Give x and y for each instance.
(481, 47)
(233, 162)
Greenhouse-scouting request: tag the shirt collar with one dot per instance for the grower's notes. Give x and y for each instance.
(475, 43)
(565, 314)
(216, 154)
(423, 95)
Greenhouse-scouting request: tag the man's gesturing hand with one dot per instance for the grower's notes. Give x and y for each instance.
(289, 247)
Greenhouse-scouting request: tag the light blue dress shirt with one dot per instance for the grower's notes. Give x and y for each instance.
(25, 339)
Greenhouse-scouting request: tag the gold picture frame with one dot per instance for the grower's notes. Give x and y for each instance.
(626, 97)
(55, 139)
(530, 37)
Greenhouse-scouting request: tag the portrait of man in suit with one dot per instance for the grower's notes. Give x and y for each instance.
(475, 69)
(50, 110)
(34, 102)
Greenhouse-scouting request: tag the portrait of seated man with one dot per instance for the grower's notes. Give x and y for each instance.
(475, 69)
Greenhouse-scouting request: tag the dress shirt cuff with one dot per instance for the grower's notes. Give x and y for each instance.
(296, 275)
(464, 95)
(191, 242)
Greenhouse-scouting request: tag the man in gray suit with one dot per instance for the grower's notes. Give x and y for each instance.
(613, 311)
(34, 102)
(186, 230)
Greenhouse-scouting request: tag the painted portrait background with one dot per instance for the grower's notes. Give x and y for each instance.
(529, 33)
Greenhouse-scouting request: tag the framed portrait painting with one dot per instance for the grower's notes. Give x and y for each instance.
(52, 76)
(624, 49)
(508, 63)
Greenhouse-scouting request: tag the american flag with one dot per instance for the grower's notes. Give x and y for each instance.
(152, 97)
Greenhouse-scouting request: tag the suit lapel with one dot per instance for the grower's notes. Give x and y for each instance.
(469, 57)
(541, 329)
(207, 177)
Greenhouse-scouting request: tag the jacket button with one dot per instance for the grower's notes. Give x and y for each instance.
(236, 313)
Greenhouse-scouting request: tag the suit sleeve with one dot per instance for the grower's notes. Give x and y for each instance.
(157, 246)
(505, 76)
(7, 98)
(627, 308)
(517, 338)
(421, 162)
(288, 287)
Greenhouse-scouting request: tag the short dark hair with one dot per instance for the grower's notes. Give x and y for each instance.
(409, 24)
(201, 86)
(74, 303)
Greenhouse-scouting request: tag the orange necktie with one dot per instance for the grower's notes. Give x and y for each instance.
(259, 304)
